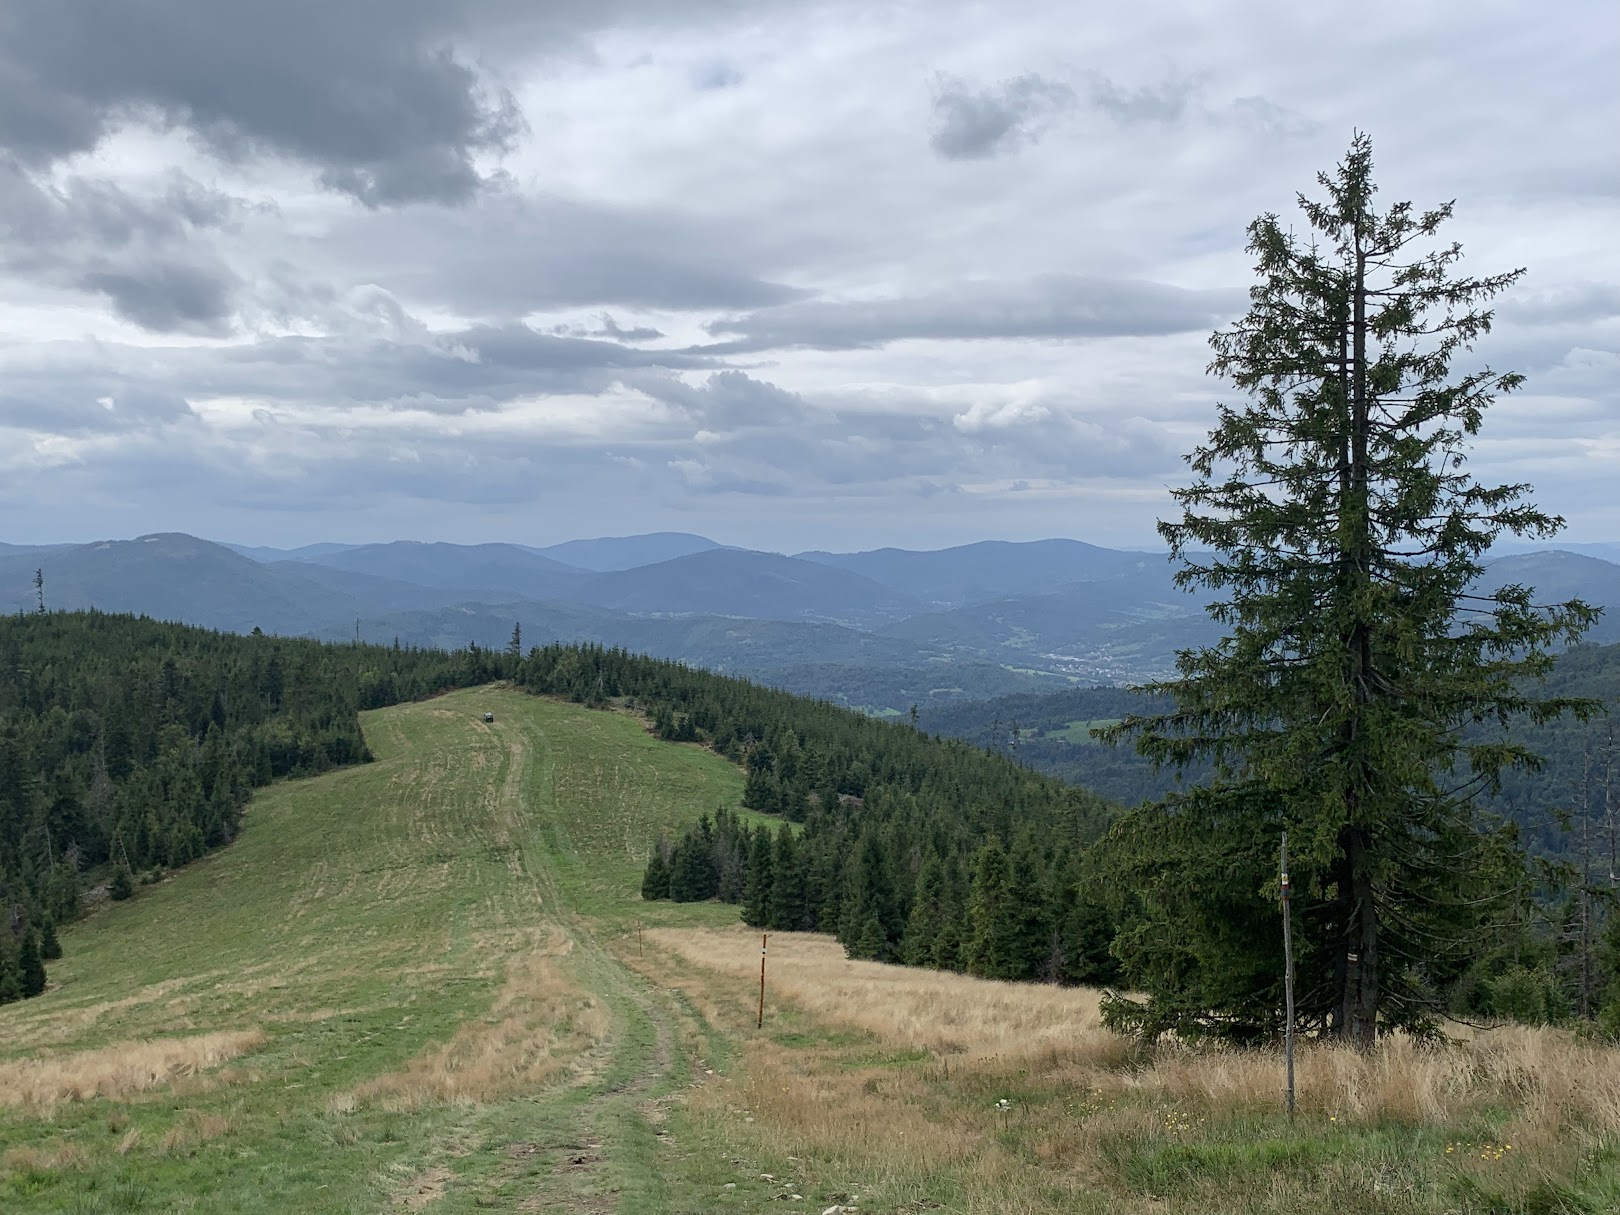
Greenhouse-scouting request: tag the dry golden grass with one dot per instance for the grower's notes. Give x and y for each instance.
(540, 1023)
(1555, 1078)
(1088, 1101)
(45, 1159)
(120, 1070)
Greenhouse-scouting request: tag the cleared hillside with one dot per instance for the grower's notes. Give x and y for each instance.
(426, 984)
(378, 995)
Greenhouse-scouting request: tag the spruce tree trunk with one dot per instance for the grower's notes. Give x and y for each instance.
(1358, 1015)
(1359, 999)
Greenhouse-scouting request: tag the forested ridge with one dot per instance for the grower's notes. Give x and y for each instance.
(129, 745)
(1581, 757)
(912, 848)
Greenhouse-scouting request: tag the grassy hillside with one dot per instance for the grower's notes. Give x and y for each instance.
(295, 1023)
(427, 984)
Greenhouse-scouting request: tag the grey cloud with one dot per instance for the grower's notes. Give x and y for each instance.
(1269, 118)
(1054, 306)
(975, 124)
(1161, 103)
(1574, 303)
(141, 253)
(729, 400)
(607, 327)
(167, 297)
(508, 255)
(50, 401)
(388, 99)
(472, 370)
(716, 74)
(370, 92)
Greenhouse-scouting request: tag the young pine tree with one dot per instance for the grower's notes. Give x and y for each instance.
(1334, 518)
(655, 881)
(30, 966)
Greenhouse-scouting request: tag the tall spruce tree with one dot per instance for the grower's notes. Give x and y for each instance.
(1333, 516)
(991, 947)
(927, 910)
(756, 896)
(787, 911)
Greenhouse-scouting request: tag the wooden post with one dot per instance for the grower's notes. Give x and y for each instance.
(1288, 979)
(639, 949)
(763, 939)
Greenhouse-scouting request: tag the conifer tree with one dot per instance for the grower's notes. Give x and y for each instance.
(947, 953)
(989, 950)
(30, 966)
(49, 947)
(1333, 516)
(1028, 913)
(870, 941)
(927, 912)
(655, 881)
(757, 886)
(869, 903)
(693, 877)
(786, 912)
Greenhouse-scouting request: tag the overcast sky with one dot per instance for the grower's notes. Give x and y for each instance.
(791, 275)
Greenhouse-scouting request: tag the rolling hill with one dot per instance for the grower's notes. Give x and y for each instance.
(473, 571)
(175, 577)
(609, 553)
(991, 569)
(875, 628)
(738, 582)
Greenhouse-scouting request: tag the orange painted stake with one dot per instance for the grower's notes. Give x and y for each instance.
(763, 939)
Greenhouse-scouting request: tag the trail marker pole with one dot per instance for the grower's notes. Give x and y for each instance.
(763, 939)
(1288, 979)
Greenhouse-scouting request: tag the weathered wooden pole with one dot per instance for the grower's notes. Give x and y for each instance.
(763, 939)
(1288, 979)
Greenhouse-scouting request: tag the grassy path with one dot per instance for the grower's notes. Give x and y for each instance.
(383, 997)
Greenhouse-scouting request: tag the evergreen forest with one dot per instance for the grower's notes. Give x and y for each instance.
(129, 746)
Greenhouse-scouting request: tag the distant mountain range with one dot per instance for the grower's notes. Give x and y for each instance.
(880, 629)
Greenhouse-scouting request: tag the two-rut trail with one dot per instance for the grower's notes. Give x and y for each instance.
(638, 1055)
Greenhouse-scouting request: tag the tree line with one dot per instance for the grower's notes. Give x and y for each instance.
(129, 746)
(908, 847)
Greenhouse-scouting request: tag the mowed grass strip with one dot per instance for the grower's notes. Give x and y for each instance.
(370, 987)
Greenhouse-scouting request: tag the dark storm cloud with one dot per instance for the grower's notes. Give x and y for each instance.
(975, 124)
(1055, 306)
